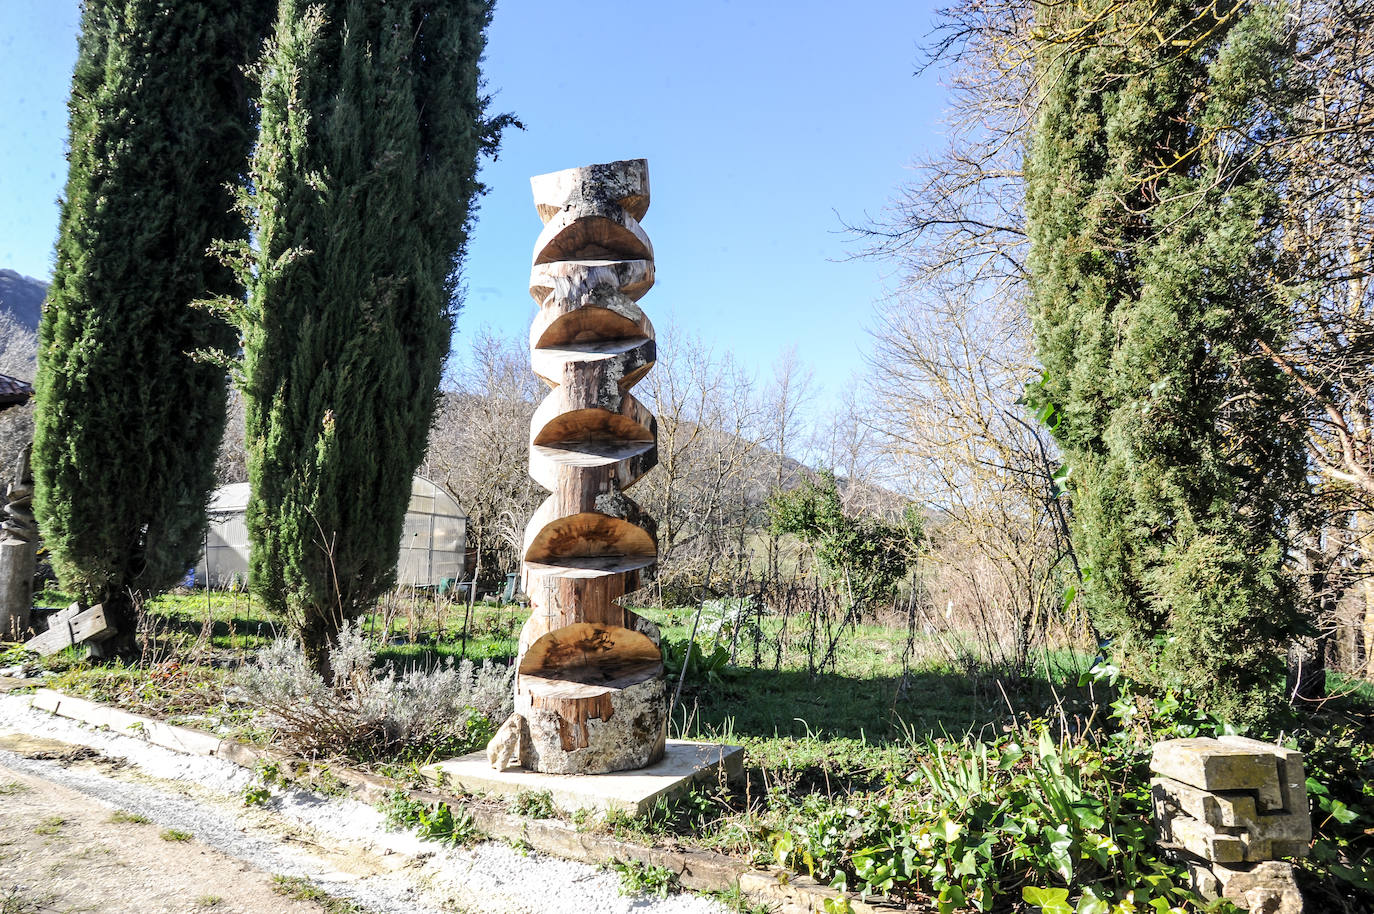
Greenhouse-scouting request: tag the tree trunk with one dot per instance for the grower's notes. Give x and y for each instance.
(1307, 669)
(123, 610)
(1307, 655)
(318, 639)
(1366, 639)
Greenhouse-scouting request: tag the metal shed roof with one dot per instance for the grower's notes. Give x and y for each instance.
(233, 498)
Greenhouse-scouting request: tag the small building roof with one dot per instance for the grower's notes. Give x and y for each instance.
(13, 391)
(230, 499)
(425, 497)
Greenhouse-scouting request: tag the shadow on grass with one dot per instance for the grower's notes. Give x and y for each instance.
(792, 704)
(426, 653)
(233, 632)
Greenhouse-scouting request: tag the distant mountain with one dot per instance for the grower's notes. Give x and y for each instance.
(22, 296)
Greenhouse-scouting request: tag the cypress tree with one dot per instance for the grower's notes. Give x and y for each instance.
(127, 421)
(1154, 271)
(360, 195)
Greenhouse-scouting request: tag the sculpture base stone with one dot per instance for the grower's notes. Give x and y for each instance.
(630, 792)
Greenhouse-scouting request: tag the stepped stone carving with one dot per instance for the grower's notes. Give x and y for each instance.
(1230, 807)
(18, 554)
(589, 693)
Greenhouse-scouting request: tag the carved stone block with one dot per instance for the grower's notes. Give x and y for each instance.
(1229, 807)
(1264, 888)
(1214, 795)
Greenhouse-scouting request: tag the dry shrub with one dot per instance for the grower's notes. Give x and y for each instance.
(371, 713)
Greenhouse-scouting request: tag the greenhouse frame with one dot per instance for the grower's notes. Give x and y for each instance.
(433, 540)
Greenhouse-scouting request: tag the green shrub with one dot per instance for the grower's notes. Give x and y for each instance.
(703, 665)
(984, 824)
(128, 421)
(360, 199)
(373, 712)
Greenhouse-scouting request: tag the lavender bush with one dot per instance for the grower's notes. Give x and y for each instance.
(371, 713)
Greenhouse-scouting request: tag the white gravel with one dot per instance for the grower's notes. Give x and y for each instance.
(405, 874)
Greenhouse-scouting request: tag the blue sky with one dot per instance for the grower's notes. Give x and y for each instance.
(765, 125)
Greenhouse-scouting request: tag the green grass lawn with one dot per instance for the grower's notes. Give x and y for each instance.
(870, 698)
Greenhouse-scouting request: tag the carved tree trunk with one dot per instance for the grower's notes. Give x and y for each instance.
(589, 682)
(18, 555)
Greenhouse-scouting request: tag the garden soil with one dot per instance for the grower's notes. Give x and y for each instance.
(61, 851)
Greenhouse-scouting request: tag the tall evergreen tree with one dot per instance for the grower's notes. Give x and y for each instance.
(360, 196)
(128, 422)
(1153, 269)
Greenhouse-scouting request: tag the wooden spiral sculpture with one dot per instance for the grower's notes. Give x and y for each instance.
(589, 692)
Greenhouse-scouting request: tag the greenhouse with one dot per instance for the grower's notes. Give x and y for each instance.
(433, 540)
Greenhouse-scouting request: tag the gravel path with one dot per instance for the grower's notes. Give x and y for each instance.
(338, 844)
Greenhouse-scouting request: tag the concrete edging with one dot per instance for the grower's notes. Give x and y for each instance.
(782, 891)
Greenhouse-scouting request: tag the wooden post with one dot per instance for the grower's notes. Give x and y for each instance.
(589, 691)
(18, 555)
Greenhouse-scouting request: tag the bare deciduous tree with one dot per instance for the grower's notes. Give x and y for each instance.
(703, 491)
(18, 359)
(784, 420)
(479, 448)
(949, 374)
(953, 351)
(231, 465)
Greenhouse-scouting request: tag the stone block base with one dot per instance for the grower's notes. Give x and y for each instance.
(1263, 888)
(629, 792)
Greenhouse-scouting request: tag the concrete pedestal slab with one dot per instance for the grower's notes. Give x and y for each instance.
(630, 792)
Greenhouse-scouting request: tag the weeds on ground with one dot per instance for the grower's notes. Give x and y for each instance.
(175, 835)
(532, 804)
(52, 825)
(432, 823)
(410, 773)
(639, 878)
(691, 815)
(123, 816)
(269, 776)
(324, 782)
(209, 901)
(16, 902)
(254, 794)
(740, 903)
(266, 775)
(301, 889)
(167, 689)
(1062, 825)
(10, 788)
(14, 654)
(519, 845)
